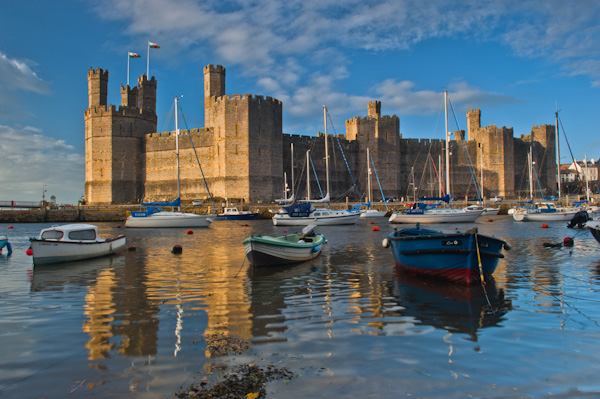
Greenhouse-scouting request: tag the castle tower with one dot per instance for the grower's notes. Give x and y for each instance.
(114, 140)
(147, 94)
(473, 122)
(129, 96)
(97, 87)
(374, 109)
(214, 87)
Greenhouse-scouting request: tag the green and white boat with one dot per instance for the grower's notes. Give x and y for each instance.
(285, 250)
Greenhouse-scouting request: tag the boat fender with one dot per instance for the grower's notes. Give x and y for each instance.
(177, 249)
(316, 249)
(385, 243)
(29, 251)
(506, 246)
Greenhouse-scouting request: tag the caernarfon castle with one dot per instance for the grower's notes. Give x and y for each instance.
(244, 153)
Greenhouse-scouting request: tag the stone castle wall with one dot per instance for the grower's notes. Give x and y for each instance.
(243, 152)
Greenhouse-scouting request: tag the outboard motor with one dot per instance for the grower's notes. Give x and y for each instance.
(579, 219)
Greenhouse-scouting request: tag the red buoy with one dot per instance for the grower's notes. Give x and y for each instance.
(118, 226)
(29, 252)
(9, 227)
(189, 231)
(371, 222)
(375, 228)
(568, 242)
(490, 220)
(285, 231)
(545, 226)
(131, 248)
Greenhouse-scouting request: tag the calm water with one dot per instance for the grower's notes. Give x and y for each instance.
(132, 325)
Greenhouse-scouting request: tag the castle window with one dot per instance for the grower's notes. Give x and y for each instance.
(259, 151)
(236, 149)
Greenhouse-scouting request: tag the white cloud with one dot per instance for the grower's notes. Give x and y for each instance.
(17, 74)
(31, 160)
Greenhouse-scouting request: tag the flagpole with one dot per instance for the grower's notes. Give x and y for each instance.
(128, 57)
(148, 62)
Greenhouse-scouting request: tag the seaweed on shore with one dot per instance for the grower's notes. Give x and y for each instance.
(244, 382)
(219, 344)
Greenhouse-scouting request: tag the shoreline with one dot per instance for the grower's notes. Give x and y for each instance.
(119, 213)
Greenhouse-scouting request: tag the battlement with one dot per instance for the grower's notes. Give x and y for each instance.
(246, 97)
(112, 110)
(422, 142)
(98, 71)
(213, 68)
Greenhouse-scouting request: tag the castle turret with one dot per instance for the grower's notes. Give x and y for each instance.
(147, 94)
(473, 122)
(374, 109)
(129, 96)
(97, 87)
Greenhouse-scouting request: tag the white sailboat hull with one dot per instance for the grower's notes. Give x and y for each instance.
(325, 218)
(51, 251)
(437, 216)
(372, 213)
(559, 216)
(169, 219)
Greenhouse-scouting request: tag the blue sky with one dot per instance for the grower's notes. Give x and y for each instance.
(515, 60)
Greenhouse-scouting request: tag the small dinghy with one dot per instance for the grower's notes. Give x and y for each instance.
(72, 242)
(288, 249)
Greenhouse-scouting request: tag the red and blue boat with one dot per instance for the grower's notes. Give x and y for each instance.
(467, 258)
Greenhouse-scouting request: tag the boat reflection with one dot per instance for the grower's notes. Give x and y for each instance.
(270, 288)
(451, 307)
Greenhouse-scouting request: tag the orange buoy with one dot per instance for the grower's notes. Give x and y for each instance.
(371, 222)
(568, 242)
(490, 220)
(545, 226)
(9, 227)
(375, 228)
(29, 251)
(177, 249)
(189, 231)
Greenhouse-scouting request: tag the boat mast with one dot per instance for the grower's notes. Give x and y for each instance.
(369, 176)
(587, 187)
(308, 175)
(530, 162)
(557, 154)
(481, 163)
(447, 143)
(292, 156)
(326, 151)
(177, 151)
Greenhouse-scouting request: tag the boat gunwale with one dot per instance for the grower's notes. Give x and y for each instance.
(270, 240)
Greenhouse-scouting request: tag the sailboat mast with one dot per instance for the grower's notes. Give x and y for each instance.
(481, 167)
(447, 143)
(177, 151)
(557, 155)
(369, 176)
(587, 187)
(292, 156)
(326, 150)
(308, 175)
(530, 161)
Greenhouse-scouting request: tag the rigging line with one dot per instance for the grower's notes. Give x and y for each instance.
(343, 155)
(197, 159)
(378, 182)
(571, 152)
(437, 174)
(316, 177)
(538, 182)
(480, 198)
